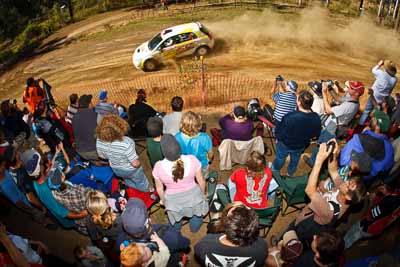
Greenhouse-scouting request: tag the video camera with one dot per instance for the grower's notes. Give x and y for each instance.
(330, 83)
(48, 96)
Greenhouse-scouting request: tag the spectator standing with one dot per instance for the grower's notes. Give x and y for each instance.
(294, 133)
(14, 123)
(183, 197)
(385, 81)
(103, 107)
(154, 129)
(375, 143)
(236, 126)
(194, 142)
(119, 150)
(33, 94)
(254, 185)
(318, 103)
(72, 108)
(139, 113)
(239, 245)
(172, 121)
(84, 125)
(327, 250)
(326, 208)
(285, 100)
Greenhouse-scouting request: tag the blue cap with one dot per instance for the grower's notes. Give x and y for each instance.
(103, 94)
(292, 85)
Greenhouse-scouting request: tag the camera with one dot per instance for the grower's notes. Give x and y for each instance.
(330, 83)
(48, 96)
(328, 148)
(254, 109)
(279, 78)
(153, 246)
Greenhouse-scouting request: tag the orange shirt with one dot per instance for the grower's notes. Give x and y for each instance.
(32, 96)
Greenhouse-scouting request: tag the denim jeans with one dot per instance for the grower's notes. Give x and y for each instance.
(282, 151)
(133, 178)
(194, 224)
(354, 234)
(368, 108)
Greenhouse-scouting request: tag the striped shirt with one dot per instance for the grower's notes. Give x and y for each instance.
(284, 103)
(72, 110)
(120, 154)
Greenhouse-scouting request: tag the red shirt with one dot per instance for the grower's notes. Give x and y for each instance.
(248, 189)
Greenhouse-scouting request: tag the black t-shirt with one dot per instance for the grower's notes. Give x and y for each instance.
(211, 252)
(138, 115)
(307, 259)
(23, 181)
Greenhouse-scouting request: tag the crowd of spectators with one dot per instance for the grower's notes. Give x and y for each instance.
(80, 169)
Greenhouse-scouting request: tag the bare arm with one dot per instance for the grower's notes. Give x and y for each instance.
(201, 181)
(160, 190)
(77, 215)
(311, 188)
(66, 157)
(136, 163)
(35, 201)
(210, 155)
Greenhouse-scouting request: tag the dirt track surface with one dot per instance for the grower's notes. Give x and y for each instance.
(260, 45)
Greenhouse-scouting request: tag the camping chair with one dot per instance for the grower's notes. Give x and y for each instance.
(267, 216)
(212, 181)
(269, 126)
(293, 190)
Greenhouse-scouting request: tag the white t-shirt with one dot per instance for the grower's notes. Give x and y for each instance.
(318, 105)
(171, 123)
(23, 245)
(343, 113)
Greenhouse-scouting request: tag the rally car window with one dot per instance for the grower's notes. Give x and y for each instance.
(180, 38)
(167, 43)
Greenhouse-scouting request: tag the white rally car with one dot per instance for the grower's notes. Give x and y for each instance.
(177, 41)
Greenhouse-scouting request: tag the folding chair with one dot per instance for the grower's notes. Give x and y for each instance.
(293, 190)
(267, 216)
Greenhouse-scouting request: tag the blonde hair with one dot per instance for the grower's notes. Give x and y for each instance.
(131, 256)
(190, 123)
(111, 128)
(97, 206)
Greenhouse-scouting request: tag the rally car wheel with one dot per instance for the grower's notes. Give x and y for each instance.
(202, 51)
(150, 65)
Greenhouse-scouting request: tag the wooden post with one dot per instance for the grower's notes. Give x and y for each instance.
(380, 11)
(396, 25)
(396, 10)
(361, 7)
(203, 83)
(300, 4)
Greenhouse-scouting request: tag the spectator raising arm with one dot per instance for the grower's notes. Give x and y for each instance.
(16, 256)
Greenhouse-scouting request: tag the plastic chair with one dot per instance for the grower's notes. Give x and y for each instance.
(268, 215)
(293, 191)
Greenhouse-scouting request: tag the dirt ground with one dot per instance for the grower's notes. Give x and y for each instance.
(306, 46)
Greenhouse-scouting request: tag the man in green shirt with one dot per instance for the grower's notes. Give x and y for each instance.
(154, 129)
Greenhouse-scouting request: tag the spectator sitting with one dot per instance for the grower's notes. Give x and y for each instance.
(327, 250)
(285, 100)
(239, 245)
(194, 142)
(84, 125)
(236, 126)
(39, 168)
(326, 208)
(294, 133)
(119, 150)
(73, 108)
(374, 142)
(183, 197)
(103, 107)
(172, 121)
(385, 81)
(343, 113)
(286, 252)
(145, 254)
(385, 210)
(139, 113)
(103, 222)
(154, 129)
(14, 123)
(90, 256)
(33, 94)
(138, 228)
(253, 186)
(318, 103)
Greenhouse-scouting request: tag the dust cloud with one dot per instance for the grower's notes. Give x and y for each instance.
(313, 28)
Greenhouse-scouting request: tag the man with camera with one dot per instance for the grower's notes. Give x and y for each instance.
(285, 98)
(33, 94)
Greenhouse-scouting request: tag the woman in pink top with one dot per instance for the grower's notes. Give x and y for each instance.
(183, 197)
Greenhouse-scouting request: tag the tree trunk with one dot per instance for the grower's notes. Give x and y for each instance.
(71, 10)
(396, 10)
(380, 11)
(361, 8)
(396, 25)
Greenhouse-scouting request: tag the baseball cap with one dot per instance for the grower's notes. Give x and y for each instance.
(239, 112)
(316, 87)
(382, 119)
(363, 161)
(135, 218)
(170, 147)
(84, 101)
(292, 85)
(31, 159)
(358, 87)
(292, 247)
(103, 94)
(54, 178)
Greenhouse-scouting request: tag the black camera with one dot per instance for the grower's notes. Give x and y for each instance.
(279, 78)
(48, 96)
(328, 148)
(330, 83)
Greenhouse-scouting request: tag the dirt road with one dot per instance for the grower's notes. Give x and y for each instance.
(257, 44)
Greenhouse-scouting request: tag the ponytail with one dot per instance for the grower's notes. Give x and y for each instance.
(178, 171)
